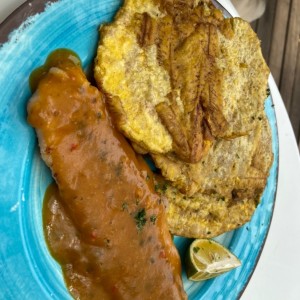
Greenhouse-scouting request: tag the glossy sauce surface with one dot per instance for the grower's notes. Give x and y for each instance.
(103, 222)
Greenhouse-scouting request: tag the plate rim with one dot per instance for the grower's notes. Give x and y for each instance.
(20, 15)
(31, 8)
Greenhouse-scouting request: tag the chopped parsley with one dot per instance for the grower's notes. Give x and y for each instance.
(124, 206)
(162, 187)
(196, 249)
(118, 169)
(140, 219)
(153, 219)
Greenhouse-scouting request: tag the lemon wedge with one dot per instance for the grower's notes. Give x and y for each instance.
(206, 259)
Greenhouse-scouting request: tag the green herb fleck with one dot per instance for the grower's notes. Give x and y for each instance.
(153, 219)
(107, 243)
(103, 154)
(140, 219)
(161, 187)
(164, 187)
(118, 169)
(268, 92)
(124, 206)
(148, 177)
(98, 115)
(196, 249)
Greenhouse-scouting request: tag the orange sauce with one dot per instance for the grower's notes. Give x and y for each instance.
(103, 222)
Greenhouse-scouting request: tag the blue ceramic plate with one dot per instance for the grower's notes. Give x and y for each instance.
(27, 271)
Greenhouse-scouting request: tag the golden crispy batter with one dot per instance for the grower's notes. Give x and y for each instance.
(158, 63)
(132, 77)
(242, 162)
(232, 178)
(243, 88)
(188, 87)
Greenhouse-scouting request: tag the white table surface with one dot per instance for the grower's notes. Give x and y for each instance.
(277, 275)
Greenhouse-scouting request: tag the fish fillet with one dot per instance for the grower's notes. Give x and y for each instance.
(106, 192)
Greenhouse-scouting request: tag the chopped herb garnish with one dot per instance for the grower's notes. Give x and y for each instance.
(124, 206)
(103, 154)
(153, 218)
(196, 249)
(118, 169)
(98, 115)
(268, 92)
(162, 187)
(148, 177)
(107, 242)
(208, 232)
(140, 219)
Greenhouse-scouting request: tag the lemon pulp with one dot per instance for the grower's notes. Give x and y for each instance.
(206, 259)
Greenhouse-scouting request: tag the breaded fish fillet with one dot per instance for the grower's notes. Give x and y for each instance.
(188, 87)
(243, 161)
(231, 178)
(179, 75)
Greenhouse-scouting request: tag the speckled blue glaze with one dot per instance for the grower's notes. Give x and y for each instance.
(27, 270)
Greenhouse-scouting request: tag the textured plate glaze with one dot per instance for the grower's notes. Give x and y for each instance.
(27, 271)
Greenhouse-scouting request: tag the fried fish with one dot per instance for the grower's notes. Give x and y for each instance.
(188, 87)
(231, 178)
(179, 75)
